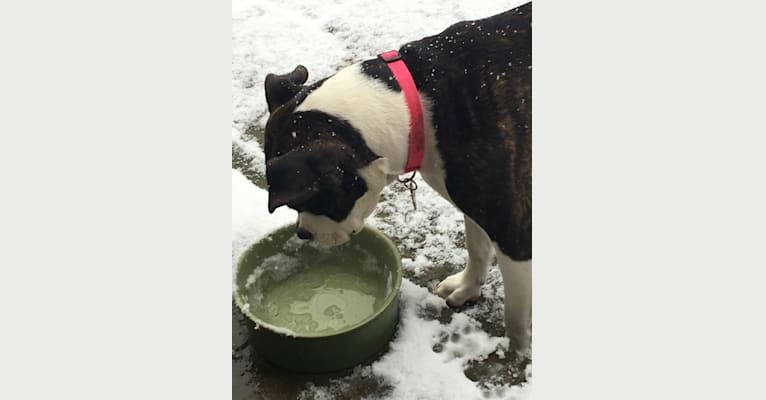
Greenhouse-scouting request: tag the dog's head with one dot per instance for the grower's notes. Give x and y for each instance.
(317, 164)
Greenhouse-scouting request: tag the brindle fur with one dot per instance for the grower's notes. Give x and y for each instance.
(479, 77)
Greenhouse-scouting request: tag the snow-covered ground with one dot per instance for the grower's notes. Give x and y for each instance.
(438, 353)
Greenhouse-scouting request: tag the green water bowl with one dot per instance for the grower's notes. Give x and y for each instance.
(320, 309)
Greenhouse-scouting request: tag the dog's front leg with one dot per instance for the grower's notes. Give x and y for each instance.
(466, 284)
(517, 281)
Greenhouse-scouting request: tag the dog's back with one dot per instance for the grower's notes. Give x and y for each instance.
(479, 77)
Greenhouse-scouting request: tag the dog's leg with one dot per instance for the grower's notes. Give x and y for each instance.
(517, 280)
(466, 285)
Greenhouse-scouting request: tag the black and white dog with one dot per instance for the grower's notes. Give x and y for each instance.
(332, 147)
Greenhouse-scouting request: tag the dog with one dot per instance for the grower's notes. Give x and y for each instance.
(331, 147)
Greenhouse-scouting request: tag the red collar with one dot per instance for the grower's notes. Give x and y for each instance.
(417, 133)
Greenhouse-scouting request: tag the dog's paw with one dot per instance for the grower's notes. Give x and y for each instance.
(458, 289)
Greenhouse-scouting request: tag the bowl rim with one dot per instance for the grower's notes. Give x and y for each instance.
(279, 330)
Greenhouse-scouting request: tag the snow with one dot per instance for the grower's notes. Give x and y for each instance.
(416, 371)
(433, 345)
(396, 217)
(250, 219)
(274, 36)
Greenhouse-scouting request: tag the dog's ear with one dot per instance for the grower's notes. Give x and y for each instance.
(281, 88)
(297, 176)
(291, 179)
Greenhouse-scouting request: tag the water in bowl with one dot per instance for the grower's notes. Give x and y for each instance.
(322, 299)
(312, 290)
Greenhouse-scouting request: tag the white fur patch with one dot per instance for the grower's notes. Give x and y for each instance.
(382, 118)
(379, 113)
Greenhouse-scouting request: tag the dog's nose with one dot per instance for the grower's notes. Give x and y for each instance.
(304, 234)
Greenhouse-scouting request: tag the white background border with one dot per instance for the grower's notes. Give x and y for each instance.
(648, 178)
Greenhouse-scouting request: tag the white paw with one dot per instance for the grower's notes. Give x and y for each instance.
(458, 289)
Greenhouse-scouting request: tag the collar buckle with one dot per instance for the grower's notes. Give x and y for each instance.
(390, 56)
